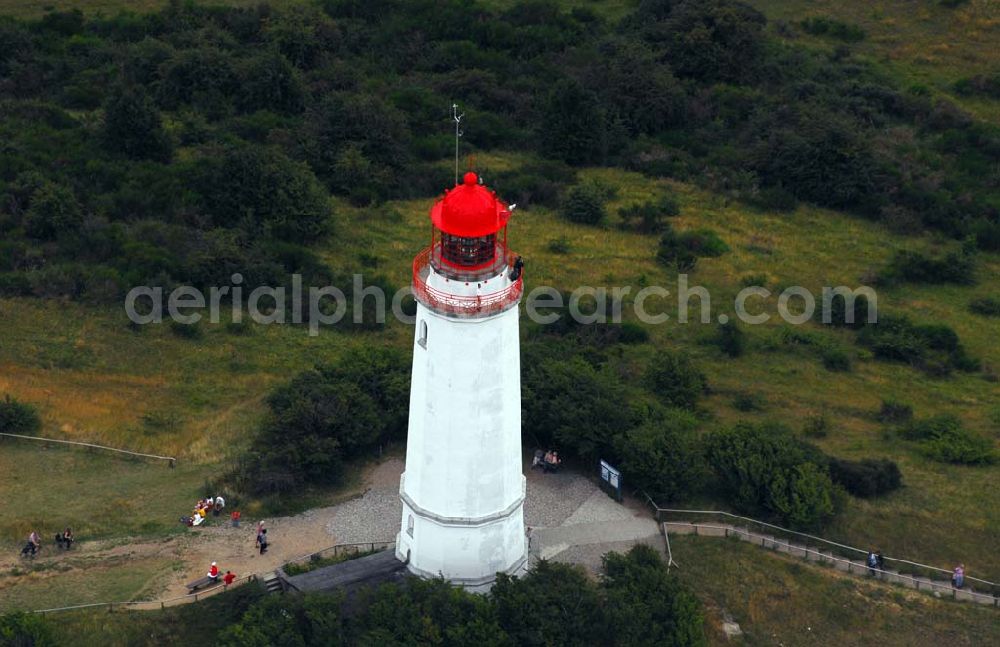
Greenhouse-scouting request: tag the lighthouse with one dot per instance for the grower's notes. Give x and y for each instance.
(463, 488)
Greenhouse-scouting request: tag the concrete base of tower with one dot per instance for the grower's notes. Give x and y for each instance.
(467, 552)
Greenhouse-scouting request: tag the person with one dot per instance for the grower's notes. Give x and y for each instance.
(872, 562)
(65, 538)
(538, 458)
(958, 578)
(34, 543)
(552, 461)
(880, 561)
(262, 540)
(235, 516)
(228, 578)
(220, 503)
(213, 573)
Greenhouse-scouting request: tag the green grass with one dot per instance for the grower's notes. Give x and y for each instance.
(33, 588)
(99, 496)
(922, 43)
(779, 601)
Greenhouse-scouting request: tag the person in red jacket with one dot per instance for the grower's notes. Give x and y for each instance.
(228, 578)
(213, 573)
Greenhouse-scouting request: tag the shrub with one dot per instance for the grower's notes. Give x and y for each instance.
(822, 26)
(569, 402)
(986, 306)
(132, 126)
(730, 339)
(553, 604)
(866, 478)
(835, 359)
(25, 630)
(934, 348)
(894, 412)
(944, 439)
(325, 415)
(584, 204)
(54, 211)
(17, 417)
(682, 250)
(675, 379)
(646, 605)
(763, 470)
(662, 457)
(957, 266)
(649, 217)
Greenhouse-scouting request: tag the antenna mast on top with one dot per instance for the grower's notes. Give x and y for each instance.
(457, 118)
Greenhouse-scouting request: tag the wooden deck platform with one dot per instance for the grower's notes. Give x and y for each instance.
(369, 570)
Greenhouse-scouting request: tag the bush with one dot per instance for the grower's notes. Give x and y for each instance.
(944, 439)
(822, 26)
(132, 126)
(986, 306)
(584, 204)
(934, 348)
(957, 267)
(866, 478)
(835, 359)
(763, 470)
(648, 606)
(730, 339)
(17, 417)
(569, 402)
(325, 415)
(675, 380)
(894, 412)
(649, 217)
(682, 250)
(662, 457)
(25, 630)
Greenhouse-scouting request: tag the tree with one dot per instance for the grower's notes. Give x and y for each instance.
(646, 605)
(264, 192)
(54, 211)
(712, 40)
(663, 457)
(271, 83)
(584, 203)
(132, 126)
(762, 469)
(554, 604)
(569, 402)
(675, 380)
(573, 127)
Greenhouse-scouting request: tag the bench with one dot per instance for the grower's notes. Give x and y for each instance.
(200, 583)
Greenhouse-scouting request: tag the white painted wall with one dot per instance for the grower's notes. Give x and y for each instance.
(463, 484)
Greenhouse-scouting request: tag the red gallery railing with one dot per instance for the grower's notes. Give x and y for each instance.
(440, 301)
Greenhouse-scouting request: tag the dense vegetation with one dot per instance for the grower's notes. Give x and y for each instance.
(184, 145)
(636, 603)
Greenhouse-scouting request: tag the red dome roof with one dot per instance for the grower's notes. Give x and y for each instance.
(470, 210)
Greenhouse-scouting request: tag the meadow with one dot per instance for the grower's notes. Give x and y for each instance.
(95, 378)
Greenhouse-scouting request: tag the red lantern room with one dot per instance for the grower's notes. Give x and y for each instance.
(468, 250)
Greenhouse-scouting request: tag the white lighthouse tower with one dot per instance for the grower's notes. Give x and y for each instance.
(463, 488)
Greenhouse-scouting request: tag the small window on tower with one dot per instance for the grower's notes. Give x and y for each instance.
(422, 339)
(409, 526)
